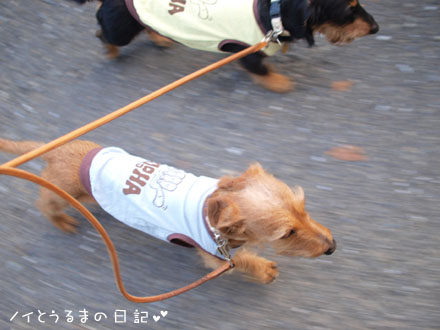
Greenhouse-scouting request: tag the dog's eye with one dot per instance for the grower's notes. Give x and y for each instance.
(290, 233)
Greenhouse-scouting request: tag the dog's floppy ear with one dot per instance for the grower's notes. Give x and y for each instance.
(224, 215)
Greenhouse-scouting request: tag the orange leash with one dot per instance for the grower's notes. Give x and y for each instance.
(8, 168)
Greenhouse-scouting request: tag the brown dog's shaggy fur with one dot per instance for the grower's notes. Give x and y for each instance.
(252, 209)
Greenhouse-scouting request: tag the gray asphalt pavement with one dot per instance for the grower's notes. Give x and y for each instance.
(383, 211)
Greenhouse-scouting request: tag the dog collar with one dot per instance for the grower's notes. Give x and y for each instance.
(276, 22)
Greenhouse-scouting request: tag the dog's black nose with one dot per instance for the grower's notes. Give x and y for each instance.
(331, 249)
(374, 28)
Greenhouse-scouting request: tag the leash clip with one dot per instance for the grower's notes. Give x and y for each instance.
(271, 36)
(222, 244)
(223, 248)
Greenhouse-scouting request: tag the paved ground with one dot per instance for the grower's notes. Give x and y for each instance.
(383, 211)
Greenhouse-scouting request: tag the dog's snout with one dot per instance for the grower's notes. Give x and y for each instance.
(374, 28)
(331, 249)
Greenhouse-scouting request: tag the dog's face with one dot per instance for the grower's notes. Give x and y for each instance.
(341, 21)
(258, 208)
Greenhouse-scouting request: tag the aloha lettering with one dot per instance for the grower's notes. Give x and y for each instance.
(177, 6)
(140, 175)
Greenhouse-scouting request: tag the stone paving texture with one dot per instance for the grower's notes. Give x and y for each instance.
(383, 210)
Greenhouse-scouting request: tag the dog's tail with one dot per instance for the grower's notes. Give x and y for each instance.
(18, 147)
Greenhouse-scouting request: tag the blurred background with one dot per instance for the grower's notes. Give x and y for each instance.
(380, 197)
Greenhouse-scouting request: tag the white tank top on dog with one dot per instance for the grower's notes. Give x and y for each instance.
(157, 199)
(203, 24)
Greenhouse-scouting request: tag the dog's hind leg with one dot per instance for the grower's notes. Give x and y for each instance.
(52, 206)
(112, 51)
(63, 170)
(118, 27)
(63, 167)
(159, 40)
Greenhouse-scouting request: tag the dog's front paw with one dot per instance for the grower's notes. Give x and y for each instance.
(65, 223)
(267, 273)
(274, 82)
(159, 40)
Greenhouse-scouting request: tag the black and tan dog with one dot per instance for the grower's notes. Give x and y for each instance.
(234, 24)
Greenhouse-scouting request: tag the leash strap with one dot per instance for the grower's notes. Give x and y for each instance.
(8, 168)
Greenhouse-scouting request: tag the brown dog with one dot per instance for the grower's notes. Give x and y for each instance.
(252, 209)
